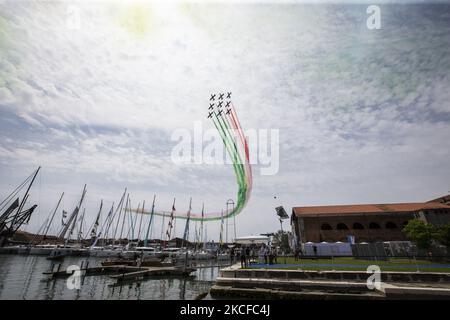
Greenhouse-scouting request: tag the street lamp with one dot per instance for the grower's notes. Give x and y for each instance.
(281, 213)
(230, 202)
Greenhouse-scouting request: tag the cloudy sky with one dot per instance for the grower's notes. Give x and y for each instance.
(92, 92)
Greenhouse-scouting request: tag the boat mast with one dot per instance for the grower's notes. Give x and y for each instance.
(92, 231)
(80, 229)
(201, 222)
(186, 228)
(150, 221)
(132, 222)
(53, 215)
(221, 230)
(169, 229)
(25, 197)
(119, 207)
(105, 223)
(195, 237)
(162, 231)
(140, 222)
(124, 215)
(72, 219)
(108, 221)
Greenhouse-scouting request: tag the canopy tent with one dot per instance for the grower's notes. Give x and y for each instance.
(327, 249)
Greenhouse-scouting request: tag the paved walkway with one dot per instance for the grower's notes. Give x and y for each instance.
(300, 265)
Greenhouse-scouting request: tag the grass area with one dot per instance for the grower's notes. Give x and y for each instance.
(352, 264)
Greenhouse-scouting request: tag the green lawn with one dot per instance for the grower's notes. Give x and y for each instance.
(352, 264)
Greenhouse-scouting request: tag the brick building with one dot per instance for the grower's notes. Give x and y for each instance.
(366, 222)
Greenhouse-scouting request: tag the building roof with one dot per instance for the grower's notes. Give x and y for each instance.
(367, 208)
(444, 199)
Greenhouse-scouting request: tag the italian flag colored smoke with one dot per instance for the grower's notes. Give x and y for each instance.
(232, 135)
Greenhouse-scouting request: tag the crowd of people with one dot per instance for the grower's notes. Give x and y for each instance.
(265, 255)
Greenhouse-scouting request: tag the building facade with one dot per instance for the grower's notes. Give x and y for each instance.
(366, 223)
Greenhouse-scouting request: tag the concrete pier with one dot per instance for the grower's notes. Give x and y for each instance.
(326, 285)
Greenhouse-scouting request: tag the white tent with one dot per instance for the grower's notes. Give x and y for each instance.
(327, 249)
(252, 240)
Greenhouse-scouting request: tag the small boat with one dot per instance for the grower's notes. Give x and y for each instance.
(146, 262)
(56, 255)
(117, 262)
(203, 255)
(223, 256)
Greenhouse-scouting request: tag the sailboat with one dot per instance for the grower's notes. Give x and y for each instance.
(202, 254)
(14, 216)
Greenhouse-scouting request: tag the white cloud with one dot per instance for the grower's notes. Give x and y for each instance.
(356, 109)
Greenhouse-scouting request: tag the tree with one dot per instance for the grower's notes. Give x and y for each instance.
(282, 239)
(421, 233)
(443, 235)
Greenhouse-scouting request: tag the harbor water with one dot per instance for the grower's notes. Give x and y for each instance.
(22, 278)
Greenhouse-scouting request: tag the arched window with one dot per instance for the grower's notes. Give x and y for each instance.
(341, 226)
(374, 225)
(358, 226)
(391, 225)
(326, 226)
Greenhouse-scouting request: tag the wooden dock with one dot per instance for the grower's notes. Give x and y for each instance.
(153, 271)
(103, 270)
(124, 272)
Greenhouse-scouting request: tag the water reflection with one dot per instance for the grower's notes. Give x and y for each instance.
(21, 277)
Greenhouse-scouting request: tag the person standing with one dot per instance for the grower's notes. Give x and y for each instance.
(243, 258)
(266, 253)
(232, 255)
(247, 256)
(261, 254)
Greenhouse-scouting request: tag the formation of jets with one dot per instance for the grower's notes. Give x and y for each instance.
(219, 104)
(213, 96)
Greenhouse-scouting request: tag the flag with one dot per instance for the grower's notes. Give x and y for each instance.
(201, 223)
(351, 239)
(221, 230)
(169, 231)
(64, 215)
(97, 223)
(186, 228)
